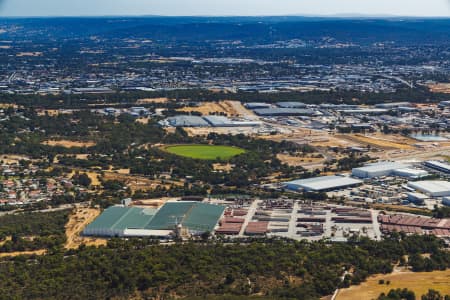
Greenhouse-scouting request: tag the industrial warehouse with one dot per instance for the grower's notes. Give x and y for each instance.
(322, 184)
(378, 169)
(182, 218)
(207, 121)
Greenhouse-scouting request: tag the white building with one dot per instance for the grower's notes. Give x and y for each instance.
(322, 184)
(378, 169)
(411, 173)
(446, 201)
(434, 188)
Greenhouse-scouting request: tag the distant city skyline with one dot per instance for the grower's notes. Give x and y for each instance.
(419, 8)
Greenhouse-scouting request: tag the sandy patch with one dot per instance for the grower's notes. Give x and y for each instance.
(227, 107)
(68, 144)
(77, 221)
(152, 100)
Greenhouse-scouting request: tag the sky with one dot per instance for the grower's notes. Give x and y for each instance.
(426, 8)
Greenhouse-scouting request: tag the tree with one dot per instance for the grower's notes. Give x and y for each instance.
(82, 179)
(432, 295)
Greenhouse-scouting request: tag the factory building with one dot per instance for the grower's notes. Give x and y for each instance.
(446, 201)
(187, 121)
(433, 188)
(284, 112)
(411, 173)
(291, 105)
(393, 105)
(322, 184)
(378, 169)
(173, 218)
(221, 121)
(206, 121)
(256, 105)
(365, 111)
(437, 165)
(417, 198)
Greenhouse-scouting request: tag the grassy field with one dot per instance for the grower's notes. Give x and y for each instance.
(418, 282)
(207, 152)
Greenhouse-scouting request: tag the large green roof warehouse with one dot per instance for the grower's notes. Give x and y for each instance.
(196, 217)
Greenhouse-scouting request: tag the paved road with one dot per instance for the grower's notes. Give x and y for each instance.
(292, 231)
(375, 224)
(249, 216)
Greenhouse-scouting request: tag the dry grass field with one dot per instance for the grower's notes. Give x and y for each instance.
(81, 217)
(68, 144)
(417, 282)
(299, 160)
(384, 141)
(136, 183)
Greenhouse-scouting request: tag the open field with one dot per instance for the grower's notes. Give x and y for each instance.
(68, 144)
(229, 107)
(135, 182)
(299, 160)
(418, 282)
(206, 152)
(440, 88)
(77, 221)
(384, 142)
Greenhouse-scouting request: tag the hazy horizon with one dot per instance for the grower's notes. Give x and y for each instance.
(319, 8)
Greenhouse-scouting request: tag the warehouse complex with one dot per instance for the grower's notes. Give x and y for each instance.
(173, 218)
(322, 184)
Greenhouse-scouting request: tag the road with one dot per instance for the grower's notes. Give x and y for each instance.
(292, 231)
(375, 224)
(249, 216)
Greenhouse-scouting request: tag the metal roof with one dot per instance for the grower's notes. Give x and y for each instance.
(290, 104)
(283, 111)
(121, 218)
(195, 216)
(381, 166)
(431, 186)
(438, 164)
(218, 120)
(324, 182)
(181, 121)
(192, 215)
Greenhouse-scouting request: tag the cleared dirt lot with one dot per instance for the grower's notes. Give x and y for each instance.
(13, 254)
(299, 160)
(380, 141)
(229, 107)
(417, 282)
(81, 217)
(440, 88)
